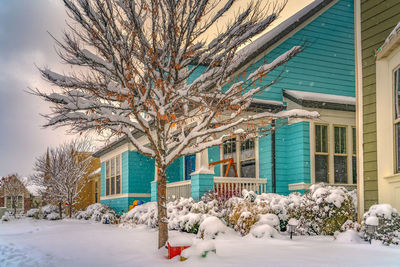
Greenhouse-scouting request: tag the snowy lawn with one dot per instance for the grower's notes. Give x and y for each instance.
(30, 242)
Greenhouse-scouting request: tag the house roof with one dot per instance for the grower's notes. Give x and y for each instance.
(319, 100)
(250, 52)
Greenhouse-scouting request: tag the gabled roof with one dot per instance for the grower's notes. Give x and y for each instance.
(251, 51)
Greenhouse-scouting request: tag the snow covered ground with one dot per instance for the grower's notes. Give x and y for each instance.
(30, 242)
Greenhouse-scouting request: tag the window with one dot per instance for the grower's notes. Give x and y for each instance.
(397, 117)
(113, 176)
(340, 156)
(242, 152)
(247, 159)
(96, 193)
(321, 154)
(354, 158)
(229, 151)
(20, 202)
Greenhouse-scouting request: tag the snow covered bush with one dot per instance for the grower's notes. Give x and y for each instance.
(6, 217)
(53, 216)
(244, 215)
(33, 213)
(263, 231)
(49, 209)
(387, 220)
(323, 210)
(211, 227)
(97, 212)
(350, 225)
(144, 214)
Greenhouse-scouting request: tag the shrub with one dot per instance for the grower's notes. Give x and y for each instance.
(33, 213)
(53, 216)
(323, 210)
(97, 212)
(211, 227)
(49, 209)
(388, 220)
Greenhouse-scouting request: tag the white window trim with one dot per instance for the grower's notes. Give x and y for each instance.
(331, 149)
(23, 201)
(120, 174)
(237, 160)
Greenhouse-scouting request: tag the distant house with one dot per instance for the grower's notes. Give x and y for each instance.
(300, 153)
(378, 58)
(23, 197)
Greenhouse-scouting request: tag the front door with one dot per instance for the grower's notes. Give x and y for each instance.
(190, 165)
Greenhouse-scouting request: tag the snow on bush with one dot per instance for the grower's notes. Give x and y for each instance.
(143, 214)
(6, 217)
(33, 213)
(349, 236)
(387, 220)
(53, 216)
(50, 209)
(211, 227)
(263, 231)
(323, 210)
(350, 225)
(97, 212)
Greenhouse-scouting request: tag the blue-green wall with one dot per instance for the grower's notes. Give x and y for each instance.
(103, 180)
(213, 156)
(327, 63)
(174, 171)
(141, 172)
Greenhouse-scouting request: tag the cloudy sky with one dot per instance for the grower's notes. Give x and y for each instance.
(24, 43)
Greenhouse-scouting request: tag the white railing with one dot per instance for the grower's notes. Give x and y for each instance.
(178, 189)
(233, 186)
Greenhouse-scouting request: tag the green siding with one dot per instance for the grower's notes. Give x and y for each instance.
(174, 171)
(141, 172)
(378, 18)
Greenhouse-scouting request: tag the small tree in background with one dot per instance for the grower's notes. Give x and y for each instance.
(13, 187)
(61, 173)
(151, 71)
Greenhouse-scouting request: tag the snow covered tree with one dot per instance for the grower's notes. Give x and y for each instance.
(13, 188)
(150, 70)
(61, 173)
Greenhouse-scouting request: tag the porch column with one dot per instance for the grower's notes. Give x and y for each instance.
(202, 180)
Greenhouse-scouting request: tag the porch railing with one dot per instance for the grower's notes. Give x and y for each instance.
(233, 186)
(178, 189)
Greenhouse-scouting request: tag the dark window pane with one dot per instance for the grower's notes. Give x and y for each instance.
(340, 140)
(107, 187)
(340, 164)
(118, 164)
(230, 149)
(354, 141)
(354, 159)
(321, 138)
(231, 172)
(321, 168)
(247, 149)
(396, 94)
(112, 185)
(107, 168)
(248, 168)
(118, 185)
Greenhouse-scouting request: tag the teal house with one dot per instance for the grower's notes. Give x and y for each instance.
(297, 152)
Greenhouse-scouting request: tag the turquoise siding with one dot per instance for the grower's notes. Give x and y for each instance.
(121, 205)
(292, 156)
(174, 171)
(125, 172)
(214, 155)
(103, 180)
(327, 63)
(141, 172)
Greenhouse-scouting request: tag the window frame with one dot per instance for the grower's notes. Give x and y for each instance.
(345, 155)
(327, 144)
(331, 150)
(396, 119)
(109, 178)
(237, 159)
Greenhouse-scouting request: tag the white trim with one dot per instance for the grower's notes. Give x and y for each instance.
(125, 196)
(359, 110)
(299, 186)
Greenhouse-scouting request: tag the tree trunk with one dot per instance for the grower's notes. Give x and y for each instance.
(60, 209)
(162, 208)
(70, 210)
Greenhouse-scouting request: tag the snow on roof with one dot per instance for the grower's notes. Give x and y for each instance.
(281, 30)
(33, 189)
(319, 97)
(393, 33)
(267, 102)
